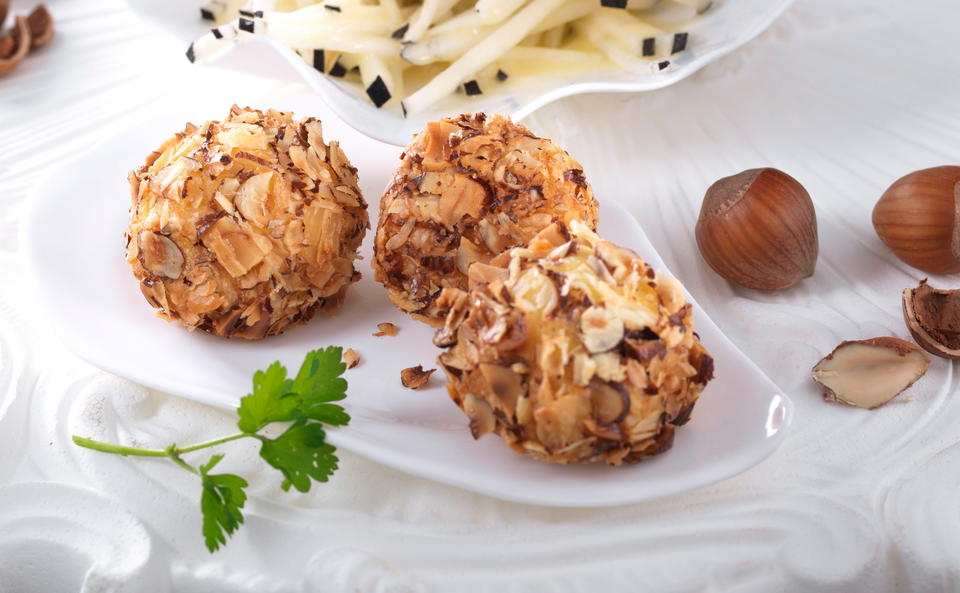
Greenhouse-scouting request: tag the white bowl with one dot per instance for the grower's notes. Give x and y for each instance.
(726, 26)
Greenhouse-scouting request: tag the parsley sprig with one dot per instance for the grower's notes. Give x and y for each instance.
(300, 453)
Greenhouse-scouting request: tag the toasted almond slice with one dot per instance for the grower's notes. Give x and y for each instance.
(159, 255)
(480, 413)
(601, 329)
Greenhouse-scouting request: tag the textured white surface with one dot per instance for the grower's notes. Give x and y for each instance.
(844, 96)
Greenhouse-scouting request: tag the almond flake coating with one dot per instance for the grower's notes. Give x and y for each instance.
(573, 350)
(467, 189)
(243, 227)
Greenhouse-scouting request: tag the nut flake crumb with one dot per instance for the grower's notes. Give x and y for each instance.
(386, 329)
(351, 358)
(415, 377)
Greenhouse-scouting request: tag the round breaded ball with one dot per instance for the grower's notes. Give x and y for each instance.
(573, 350)
(243, 227)
(467, 189)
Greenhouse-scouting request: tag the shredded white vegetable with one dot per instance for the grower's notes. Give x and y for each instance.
(411, 54)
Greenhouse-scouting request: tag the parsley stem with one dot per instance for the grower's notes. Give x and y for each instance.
(174, 456)
(117, 449)
(140, 452)
(206, 444)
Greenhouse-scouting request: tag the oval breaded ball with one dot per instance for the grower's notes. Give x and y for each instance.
(573, 350)
(468, 188)
(243, 227)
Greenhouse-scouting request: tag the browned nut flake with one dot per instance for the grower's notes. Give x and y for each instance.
(758, 229)
(917, 217)
(386, 329)
(41, 26)
(573, 350)
(350, 358)
(4, 9)
(245, 226)
(468, 188)
(869, 373)
(933, 318)
(415, 377)
(14, 46)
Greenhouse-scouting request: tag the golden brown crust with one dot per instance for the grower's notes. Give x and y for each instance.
(468, 188)
(243, 227)
(575, 351)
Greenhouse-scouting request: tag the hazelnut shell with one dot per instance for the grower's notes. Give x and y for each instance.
(917, 219)
(14, 46)
(41, 26)
(933, 318)
(758, 229)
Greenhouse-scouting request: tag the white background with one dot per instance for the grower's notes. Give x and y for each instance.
(845, 96)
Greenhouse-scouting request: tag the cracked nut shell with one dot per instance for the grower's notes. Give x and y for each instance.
(468, 188)
(243, 227)
(41, 26)
(14, 45)
(758, 229)
(933, 318)
(573, 350)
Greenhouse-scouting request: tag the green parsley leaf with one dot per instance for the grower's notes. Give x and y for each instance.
(319, 381)
(331, 414)
(220, 503)
(270, 400)
(301, 454)
(319, 377)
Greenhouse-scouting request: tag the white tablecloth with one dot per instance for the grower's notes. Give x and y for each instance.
(845, 96)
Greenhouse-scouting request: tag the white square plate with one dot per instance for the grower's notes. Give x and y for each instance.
(73, 239)
(727, 25)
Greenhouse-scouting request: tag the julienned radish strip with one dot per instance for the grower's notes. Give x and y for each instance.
(482, 54)
(425, 16)
(378, 81)
(492, 12)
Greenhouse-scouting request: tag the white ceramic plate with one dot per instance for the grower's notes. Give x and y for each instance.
(725, 27)
(73, 240)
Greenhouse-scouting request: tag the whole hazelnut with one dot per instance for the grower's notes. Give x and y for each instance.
(758, 229)
(917, 219)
